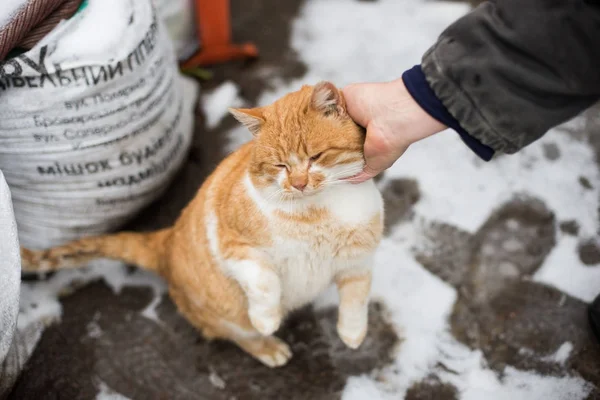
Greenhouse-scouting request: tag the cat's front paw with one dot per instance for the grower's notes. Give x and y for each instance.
(352, 330)
(274, 352)
(265, 321)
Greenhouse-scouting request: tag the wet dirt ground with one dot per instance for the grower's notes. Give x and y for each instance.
(498, 310)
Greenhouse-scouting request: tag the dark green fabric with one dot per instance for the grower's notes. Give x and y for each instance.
(512, 69)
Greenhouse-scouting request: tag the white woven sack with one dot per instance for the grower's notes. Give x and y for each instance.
(179, 18)
(95, 120)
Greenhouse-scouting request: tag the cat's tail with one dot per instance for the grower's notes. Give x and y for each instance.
(145, 250)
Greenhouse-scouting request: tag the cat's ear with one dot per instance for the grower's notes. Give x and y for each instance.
(328, 99)
(251, 118)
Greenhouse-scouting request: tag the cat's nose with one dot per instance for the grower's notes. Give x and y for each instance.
(299, 183)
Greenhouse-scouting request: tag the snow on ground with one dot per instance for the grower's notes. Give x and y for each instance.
(39, 300)
(106, 393)
(217, 102)
(561, 355)
(564, 270)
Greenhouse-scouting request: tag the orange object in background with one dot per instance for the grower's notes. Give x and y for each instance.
(213, 27)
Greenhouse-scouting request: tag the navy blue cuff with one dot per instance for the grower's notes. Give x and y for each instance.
(418, 87)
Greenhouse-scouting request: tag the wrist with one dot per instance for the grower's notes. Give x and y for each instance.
(419, 124)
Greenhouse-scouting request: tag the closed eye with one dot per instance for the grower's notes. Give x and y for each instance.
(316, 157)
(281, 166)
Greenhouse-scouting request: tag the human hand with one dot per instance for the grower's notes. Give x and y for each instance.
(393, 119)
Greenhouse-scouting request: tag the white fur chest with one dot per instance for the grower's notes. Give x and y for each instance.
(353, 205)
(307, 257)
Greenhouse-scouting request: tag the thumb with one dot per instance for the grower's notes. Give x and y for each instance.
(379, 153)
(376, 149)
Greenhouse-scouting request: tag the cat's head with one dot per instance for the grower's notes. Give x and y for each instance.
(305, 141)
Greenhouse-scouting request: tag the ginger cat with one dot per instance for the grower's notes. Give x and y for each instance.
(273, 226)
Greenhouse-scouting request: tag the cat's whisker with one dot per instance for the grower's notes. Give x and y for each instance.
(345, 173)
(333, 182)
(339, 178)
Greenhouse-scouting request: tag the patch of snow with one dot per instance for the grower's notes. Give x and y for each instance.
(521, 385)
(106, 393)
(150, 310)
(564, 270)
(9, 9)
(441, 164)
(40, 300)
(513, 224)
(368, 40)
(526, 351)
(93, 329)
(512, 244)
(237, 137)
(218, 101)
(508, 269)
(216, 380)
(561, 355)
(420, 304)
(365, 388)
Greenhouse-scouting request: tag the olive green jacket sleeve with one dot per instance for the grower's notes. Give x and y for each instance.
(512, 69)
